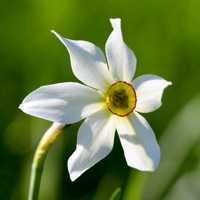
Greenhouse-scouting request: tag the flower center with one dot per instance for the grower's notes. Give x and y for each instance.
(121, 98)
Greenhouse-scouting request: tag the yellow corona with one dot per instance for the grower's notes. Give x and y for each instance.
(121, 98)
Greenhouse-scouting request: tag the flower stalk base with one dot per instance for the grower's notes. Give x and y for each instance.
(39, 158)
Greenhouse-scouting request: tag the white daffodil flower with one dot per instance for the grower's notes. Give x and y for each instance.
(108, 101)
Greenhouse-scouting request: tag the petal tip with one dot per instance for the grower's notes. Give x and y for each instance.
(147, 167)
(54, 32)
(115, 22)
(169, 83)
(72, 177)
(72, 173)
(21, 106)
(152, 168)
(57, 35)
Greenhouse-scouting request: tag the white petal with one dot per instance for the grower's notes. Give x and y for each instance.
(88, 63)
(121, 60)
(138, 141)
(149, 90)
(63, 102)
(95, 141)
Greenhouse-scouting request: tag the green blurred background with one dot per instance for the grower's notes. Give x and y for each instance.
(165, 36)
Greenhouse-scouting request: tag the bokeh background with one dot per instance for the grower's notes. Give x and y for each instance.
(165, 36)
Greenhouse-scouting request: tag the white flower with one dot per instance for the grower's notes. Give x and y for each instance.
(108, 101)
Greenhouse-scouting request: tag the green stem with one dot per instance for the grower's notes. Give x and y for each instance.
(135, 185)
(39, 158)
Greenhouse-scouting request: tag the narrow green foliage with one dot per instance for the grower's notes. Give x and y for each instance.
(116, 194)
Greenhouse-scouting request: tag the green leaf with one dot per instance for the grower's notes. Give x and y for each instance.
(176, 144)
(186, 187)
(116, 194)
